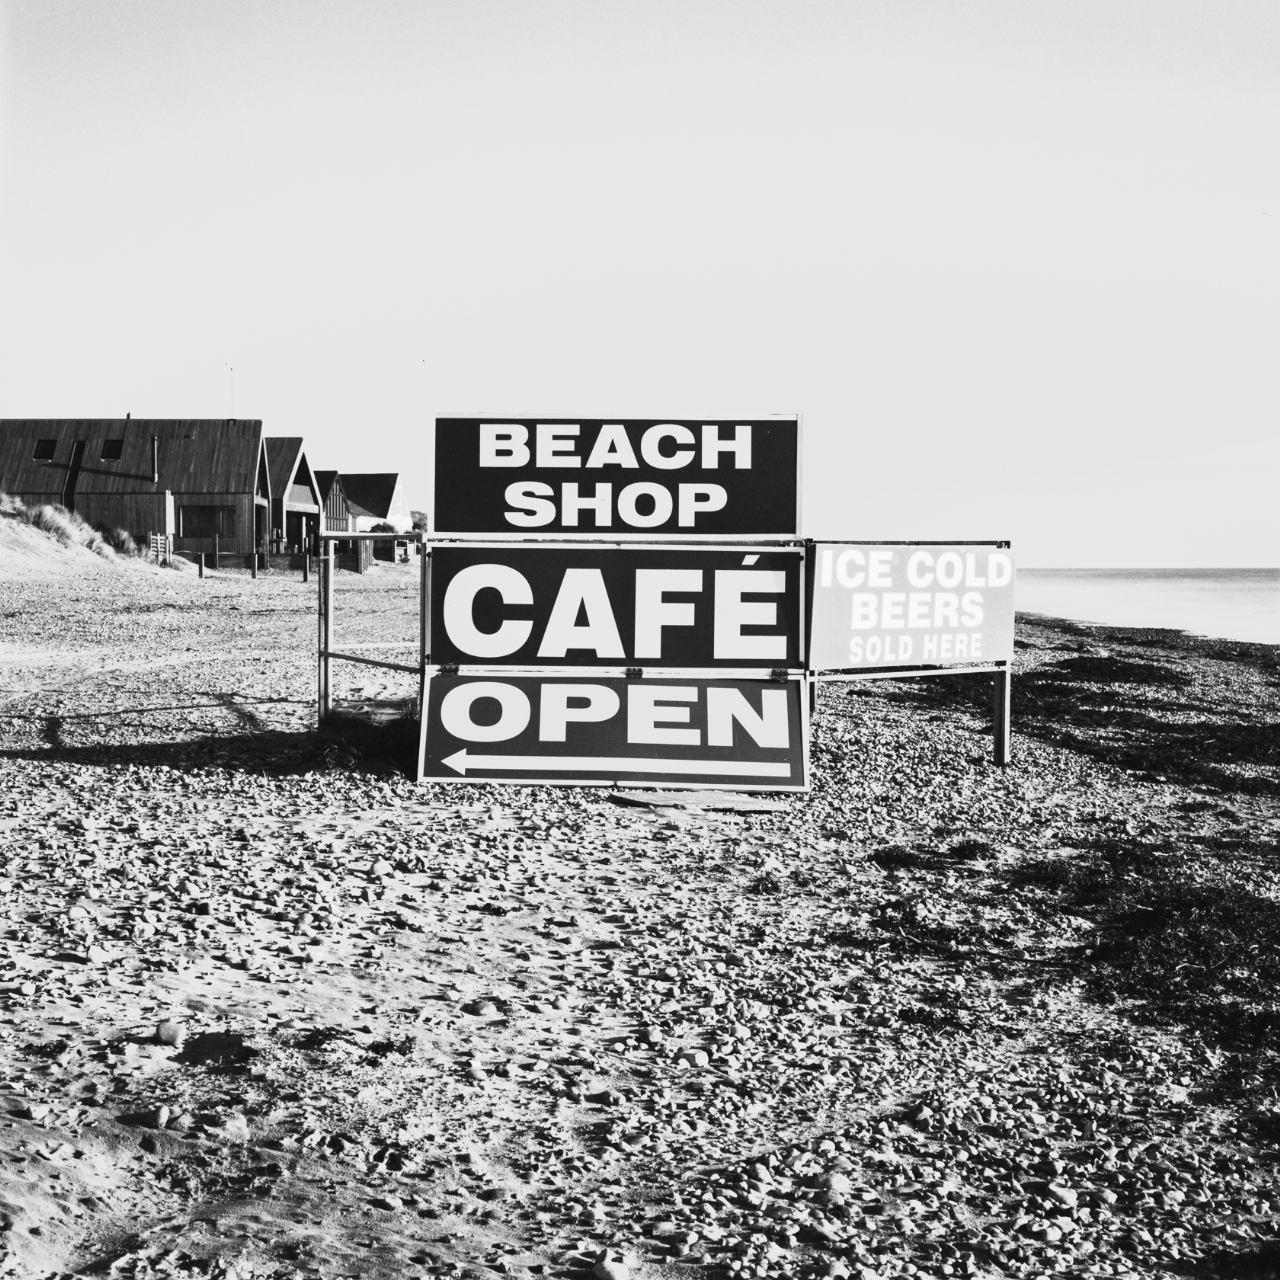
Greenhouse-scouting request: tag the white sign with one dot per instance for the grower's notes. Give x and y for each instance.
(911, 605)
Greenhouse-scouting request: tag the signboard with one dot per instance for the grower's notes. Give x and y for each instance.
(910, 604)
(622, 478)
(671, 732)
(570, 605)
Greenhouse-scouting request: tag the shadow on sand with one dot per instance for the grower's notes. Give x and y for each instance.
(1187, 934)
(346, 742)
(1132, 712)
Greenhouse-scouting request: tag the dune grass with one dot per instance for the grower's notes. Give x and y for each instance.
(71, 530)
(60, 524)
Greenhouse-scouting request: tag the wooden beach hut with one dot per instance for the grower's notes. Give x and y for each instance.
(333, 500)
(203, 480)
(295, 498)
(377, 497)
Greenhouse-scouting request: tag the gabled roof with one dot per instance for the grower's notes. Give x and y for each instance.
(291, 481)
(283, 455)
(196, 455)
(325, 482)
(370, 493)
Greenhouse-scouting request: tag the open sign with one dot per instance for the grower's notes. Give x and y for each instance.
(571, 729)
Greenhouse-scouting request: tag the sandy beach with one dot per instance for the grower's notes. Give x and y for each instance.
(269, 1009)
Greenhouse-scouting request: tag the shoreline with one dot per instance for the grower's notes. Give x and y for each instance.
(1239, 604)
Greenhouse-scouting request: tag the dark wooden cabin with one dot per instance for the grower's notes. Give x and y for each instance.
(295, 499)
(199, 479)
(333, 498)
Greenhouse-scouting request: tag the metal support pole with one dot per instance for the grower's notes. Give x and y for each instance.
(322, 645)
(202, 564)
(326, 705)
(1003, 695)
(306, 565)
(217, 564)
(253, 563)
(424, 605)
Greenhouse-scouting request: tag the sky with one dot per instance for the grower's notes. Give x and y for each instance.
(1015, 265)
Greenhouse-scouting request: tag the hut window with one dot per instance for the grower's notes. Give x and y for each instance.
(111, 450)
(205, 522)
(45, 450)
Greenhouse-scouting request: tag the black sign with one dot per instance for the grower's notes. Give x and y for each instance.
(566, 605)
(748, 735)
(642, 478)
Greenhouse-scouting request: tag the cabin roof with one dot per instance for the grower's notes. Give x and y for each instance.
(283, 455)
(196, 455)
(325, 483)
(291, 478)
(370, 493)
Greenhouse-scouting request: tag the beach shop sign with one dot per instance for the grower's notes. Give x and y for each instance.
(620, 478)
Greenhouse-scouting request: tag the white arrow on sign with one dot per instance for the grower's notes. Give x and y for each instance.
(461, 762)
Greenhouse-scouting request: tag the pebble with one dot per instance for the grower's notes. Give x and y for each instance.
(171, 1033)
(610, 1265)
(234, 1127)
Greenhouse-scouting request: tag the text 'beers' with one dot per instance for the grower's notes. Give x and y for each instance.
(642, 505)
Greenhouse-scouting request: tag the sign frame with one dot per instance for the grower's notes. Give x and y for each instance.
(687, 536)
(798, 548)
(797, 683)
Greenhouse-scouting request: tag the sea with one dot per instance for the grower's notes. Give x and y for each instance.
(1228, 604)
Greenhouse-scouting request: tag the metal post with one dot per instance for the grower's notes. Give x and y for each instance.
(217, 564)
(327, 704)
(253, 563)
(424, 605)
(306, 565)
(1003, 695)
(424, 649)
(321, 645)
(202, 564)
